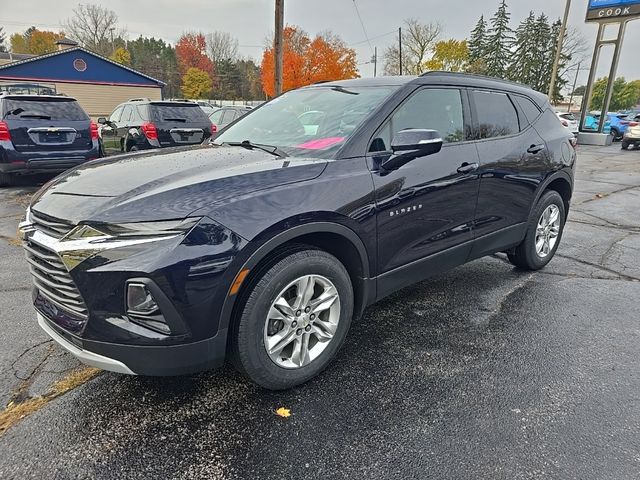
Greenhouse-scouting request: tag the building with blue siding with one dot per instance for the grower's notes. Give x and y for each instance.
(98, 83)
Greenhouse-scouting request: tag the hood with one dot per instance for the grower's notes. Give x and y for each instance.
(166, 184)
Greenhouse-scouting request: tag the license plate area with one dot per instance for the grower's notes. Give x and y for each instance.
(187, 135)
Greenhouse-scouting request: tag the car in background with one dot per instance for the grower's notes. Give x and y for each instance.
(591, 123)
(569, 121)
(142, 124)
(225, 115)
(632, 135)
(43, 133)
(619, 124)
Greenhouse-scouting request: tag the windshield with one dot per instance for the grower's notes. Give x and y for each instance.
(308, 122)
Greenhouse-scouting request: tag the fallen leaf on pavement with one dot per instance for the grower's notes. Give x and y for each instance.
(283, 412)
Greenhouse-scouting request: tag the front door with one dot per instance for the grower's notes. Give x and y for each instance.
(426, 208)
(109, 133)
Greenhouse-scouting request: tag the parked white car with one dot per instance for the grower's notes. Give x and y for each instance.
(569, 121)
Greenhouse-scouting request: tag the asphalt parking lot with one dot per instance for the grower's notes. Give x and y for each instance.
(484, 372)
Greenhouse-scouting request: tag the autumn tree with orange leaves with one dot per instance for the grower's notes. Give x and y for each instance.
(191, 52)
(307, 61)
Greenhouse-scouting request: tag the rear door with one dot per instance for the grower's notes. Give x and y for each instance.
(513, 161)
(179, 123)
(51, 124)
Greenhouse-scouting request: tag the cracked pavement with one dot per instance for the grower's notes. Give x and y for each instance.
(482, 372)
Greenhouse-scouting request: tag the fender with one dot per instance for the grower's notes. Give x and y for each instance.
(560, 174)
(290, 234)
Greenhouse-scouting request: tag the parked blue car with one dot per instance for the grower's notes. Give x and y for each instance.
(619, 123)
(591, 123)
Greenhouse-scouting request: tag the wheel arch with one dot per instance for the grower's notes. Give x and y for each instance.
(334, 238)
(560, 182)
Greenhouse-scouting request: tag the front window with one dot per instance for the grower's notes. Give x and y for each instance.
(311, 122)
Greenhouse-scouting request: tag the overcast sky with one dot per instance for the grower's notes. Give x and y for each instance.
(251, 21)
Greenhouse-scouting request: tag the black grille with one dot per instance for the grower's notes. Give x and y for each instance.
(53, 227)
(52, 278)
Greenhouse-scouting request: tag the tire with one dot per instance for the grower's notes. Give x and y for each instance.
(6, 179)
(616, 134)
(133, 148)
(258, 321)
(526, 255)
(624, 146)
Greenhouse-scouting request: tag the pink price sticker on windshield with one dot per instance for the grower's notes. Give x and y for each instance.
(320, 143)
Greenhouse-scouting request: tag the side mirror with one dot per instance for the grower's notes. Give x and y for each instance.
(410, 144)
(102, 120)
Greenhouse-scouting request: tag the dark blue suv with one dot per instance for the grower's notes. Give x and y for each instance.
(43, 133)
(262, 246)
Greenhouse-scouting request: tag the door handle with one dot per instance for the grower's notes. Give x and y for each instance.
(467, 167)
(536, 148)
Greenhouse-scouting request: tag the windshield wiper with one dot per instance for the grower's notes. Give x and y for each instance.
(273, 150)
(183, 120)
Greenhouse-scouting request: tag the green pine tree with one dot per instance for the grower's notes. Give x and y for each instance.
(478, 40)
(499, 41)
(522, 67)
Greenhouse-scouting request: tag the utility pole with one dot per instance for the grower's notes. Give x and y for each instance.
(400, 48)
(375, 60)
(278, 45)
(575, 82)
(112, 45)
(556, 62)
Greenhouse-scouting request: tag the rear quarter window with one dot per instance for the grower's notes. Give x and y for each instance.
(530, 110)
(44, 109)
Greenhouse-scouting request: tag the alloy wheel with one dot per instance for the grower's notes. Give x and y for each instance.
(547, 230)
(302, 321)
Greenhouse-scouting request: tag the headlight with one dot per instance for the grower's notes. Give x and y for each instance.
(165, 228)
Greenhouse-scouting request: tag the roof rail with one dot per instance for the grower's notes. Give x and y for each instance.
(141, 99)
(473, 75)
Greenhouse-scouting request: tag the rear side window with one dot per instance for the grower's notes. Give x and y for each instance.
(497, 117)
(167, 112)
(53, 109)
(528, 108)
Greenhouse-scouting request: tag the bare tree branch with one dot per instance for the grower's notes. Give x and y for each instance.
(222, 46)
(93, 27)
(418, 40)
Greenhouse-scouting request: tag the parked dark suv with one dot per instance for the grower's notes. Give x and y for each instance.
(43, 133)
(141, 124)
(263, 246)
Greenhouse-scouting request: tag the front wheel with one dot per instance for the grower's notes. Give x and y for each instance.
(295, 317)
(543, 233)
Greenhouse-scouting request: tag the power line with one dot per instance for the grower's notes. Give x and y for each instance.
(368, 40)
(364, 30)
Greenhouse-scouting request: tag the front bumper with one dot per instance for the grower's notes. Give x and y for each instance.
(165, 360)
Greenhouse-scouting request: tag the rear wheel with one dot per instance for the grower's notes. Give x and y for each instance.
(294, 319)
(624, 146)
(543, 233)
(616, 134)
(6, 179)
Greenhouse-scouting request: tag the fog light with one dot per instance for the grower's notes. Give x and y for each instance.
(140, 300)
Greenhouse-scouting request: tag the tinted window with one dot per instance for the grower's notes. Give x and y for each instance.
(177, 112)
(528, 108)
(115, 116)
(54, 109)
(432, 108)
(497, 116)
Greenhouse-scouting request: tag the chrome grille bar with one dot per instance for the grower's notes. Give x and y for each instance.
(52, 227)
